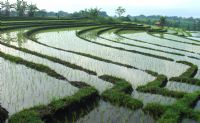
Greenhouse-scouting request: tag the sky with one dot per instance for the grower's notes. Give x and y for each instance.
(184, 8)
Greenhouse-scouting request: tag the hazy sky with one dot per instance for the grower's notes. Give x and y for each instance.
(184, 8)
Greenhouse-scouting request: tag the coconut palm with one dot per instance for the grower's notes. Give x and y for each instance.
(120, 11)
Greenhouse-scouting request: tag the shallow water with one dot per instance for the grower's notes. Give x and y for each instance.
(107, 113)
(135, 77)
(80, 45)
(151, 39)
(182, 87)
(22, 87)
(178, 38)
(153, 98)
(69, 73)
(188, 121)
(153, 44)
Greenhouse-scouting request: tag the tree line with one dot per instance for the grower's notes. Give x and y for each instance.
(174, 21)
(21, 8)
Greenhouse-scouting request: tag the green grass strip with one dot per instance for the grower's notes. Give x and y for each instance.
(191, 72)
(156, 87)
(120, 93)
(67, 104)
(187, 76)
(178, 110)
(155, 109)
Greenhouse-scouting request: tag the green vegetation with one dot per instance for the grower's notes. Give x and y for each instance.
(187, 76)
(66, 105)
(180, 109)
(155, 109)
(156, 87)
(118, 94)
(191, 72)
(178, 22)
(120, 11)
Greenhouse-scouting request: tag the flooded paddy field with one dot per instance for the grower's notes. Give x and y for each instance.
(93, 74)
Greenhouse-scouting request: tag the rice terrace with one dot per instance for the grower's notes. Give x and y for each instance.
(90, 67)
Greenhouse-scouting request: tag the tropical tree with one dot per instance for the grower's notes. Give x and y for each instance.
(120, 11)
(7, 6)
(1, 7)
(32, 8)
(21, 7)
(162, 21)
(41, 13)
(94, 12)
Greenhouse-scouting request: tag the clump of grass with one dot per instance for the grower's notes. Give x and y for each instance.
(190, 72)
(118, 94)
(26, 116)
(180, 109)
(68, 105)
(155, 109)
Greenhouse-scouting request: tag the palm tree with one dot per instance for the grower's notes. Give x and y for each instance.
(120, 11)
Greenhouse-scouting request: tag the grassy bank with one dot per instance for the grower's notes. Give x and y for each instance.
(120, 93)
(182, 108)
(157, 87)
(66, 105)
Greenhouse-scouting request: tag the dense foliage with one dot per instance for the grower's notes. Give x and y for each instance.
(180, 22)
